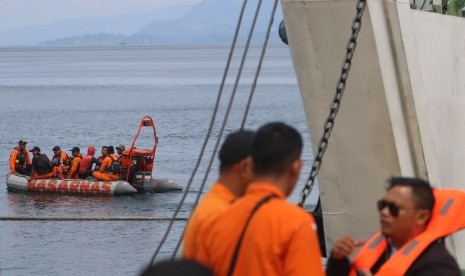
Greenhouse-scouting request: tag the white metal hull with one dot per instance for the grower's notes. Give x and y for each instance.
(403, 110)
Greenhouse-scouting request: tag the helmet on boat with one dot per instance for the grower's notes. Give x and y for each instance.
(121, 147)
(91, 150)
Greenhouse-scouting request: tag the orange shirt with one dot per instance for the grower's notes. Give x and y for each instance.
(73, 173)
(63, 159)
(215, 202)
(281, 238)
(105, 163)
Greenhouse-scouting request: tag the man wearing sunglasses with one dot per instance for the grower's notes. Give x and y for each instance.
(404, 212)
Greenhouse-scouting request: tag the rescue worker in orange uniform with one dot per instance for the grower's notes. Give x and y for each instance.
(120, 149)
(42, 167)
(60, 159)
(261, 233)
(109, 170)
(235, 175)
(104, 152)
(85, 166)
(408, 243)
(75, 161)
(20, 162)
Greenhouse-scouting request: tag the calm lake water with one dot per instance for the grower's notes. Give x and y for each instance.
(81, 96)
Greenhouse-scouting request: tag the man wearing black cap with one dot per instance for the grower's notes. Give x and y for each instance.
(42, 167)
(75, 160)
(60, 160)
(20, 161)
(235, 175)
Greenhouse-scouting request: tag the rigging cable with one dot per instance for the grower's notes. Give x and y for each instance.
(259, 66)
(257, 73)
(212, 121)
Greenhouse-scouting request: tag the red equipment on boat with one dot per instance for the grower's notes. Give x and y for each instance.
(137, 164)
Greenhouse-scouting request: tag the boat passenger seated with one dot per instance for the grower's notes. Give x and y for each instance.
(60, 160)
(120, 149)
(110, 168)
(42, 167)
(85, 166)
(75, 162)
(19, 159)
(104, 152)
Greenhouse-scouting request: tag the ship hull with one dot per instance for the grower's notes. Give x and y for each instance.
(402, 111)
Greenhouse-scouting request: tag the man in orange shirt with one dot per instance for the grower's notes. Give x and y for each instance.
(75, 161)
(235, 175)
(104, 152)
(120, 149)
(110, 169)
(60, 160)
(20, 162)
(261, 233)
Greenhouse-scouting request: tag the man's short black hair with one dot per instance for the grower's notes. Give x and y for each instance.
(421, 190)
(111, 150)
(275, 147)
(236, 147)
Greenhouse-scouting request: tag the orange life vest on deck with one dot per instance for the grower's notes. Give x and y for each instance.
(447, 218)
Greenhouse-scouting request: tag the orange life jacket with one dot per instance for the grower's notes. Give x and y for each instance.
(62, 159)
(447, 217)
(86, 164)
(18, 157)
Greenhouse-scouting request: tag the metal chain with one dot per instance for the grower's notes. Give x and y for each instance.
(335, 104)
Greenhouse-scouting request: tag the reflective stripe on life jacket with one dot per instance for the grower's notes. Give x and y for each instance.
(447, 218)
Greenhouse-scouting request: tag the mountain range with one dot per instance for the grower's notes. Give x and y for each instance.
(210, 21)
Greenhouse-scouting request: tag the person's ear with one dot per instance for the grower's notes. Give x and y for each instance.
(423, 216)
(296, 168)
(246, 167)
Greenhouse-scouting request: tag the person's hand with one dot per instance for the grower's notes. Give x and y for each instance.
(345, 246)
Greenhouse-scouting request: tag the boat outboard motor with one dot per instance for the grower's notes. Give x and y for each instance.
(143, 181)
(282, 32)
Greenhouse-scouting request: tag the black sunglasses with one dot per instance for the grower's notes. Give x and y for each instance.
(392, 207)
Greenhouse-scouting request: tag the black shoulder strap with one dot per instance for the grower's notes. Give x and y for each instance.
(232, 265)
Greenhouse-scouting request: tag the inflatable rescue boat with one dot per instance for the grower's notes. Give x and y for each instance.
(136, 176)
(21, 183)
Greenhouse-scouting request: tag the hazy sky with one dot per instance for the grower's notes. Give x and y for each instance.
(18, 13)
